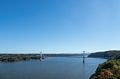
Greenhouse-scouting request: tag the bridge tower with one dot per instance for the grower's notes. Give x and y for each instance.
(83, 57)
(41, 56)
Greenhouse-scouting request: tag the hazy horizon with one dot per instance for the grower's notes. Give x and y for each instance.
(59, 26)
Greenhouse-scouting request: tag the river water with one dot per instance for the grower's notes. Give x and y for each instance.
(50, 68)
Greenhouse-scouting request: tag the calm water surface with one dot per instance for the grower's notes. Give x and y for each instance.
(50, 68)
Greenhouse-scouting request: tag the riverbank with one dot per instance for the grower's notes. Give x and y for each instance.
(26, 57)
(109, 69)
(19, 57)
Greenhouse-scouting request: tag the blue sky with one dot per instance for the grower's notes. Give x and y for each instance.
(59, 26)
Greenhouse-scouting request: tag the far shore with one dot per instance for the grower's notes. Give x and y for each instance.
(26, 57)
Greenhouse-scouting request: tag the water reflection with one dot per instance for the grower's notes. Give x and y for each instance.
(83, 71)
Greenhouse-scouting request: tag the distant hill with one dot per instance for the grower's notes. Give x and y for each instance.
(106, 54)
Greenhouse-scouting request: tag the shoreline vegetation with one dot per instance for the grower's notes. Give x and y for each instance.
(109, 69)
(19, 57)
(25, 57)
